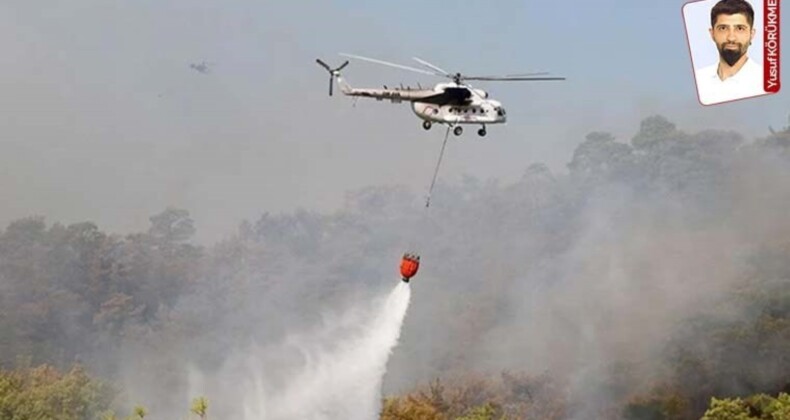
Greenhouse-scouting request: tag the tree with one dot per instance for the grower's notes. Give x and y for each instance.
(139, 412)
(755, 407)
(410, 408)
(653, 131)
(485, 411)
(44, 392)
(200, 407)
(172, 226)
(599, 156)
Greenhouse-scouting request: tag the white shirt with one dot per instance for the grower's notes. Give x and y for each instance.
(746, 83)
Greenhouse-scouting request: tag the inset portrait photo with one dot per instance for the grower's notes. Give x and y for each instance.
(729, 43)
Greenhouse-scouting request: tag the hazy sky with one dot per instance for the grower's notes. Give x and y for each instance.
(102, 118)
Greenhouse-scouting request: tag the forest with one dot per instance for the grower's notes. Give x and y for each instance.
(649, 280)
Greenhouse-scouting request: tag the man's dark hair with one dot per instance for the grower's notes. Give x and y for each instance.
(732, 7)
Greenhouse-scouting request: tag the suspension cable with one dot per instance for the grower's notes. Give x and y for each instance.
(436, 171)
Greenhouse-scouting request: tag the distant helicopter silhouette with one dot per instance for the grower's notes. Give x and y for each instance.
(202, 67)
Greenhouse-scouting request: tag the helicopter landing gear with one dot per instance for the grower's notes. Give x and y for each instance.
(482, 131)
(458, 130)
(426, 125)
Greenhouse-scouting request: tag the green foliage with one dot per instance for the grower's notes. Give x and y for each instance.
(108, 415)
(756, 407)
(45, 393)
(727, 409)
(511, 396)
(781, 408)
(410, 407)
(485, 411)
(199, 407)
(140, 412)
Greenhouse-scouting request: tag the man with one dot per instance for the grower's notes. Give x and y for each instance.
(735, 75)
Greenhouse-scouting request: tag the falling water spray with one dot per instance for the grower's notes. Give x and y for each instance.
(344, 363)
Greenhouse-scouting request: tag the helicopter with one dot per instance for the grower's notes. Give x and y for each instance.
(202, 67)
(452, 103)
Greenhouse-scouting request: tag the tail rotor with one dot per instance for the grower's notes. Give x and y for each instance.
(332, 72)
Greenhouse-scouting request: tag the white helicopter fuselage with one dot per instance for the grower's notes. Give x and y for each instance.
(478, 109)
(452, 104)
(487, 111)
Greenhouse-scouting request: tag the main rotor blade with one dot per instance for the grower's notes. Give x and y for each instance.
(507, 76)
(539, 73)
(512, 79)
(324, 65)
(427, 64)
(387, 63)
